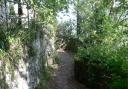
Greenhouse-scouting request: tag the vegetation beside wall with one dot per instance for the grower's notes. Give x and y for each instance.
(26, 44)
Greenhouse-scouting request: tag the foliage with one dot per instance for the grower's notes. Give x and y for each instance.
(102, 58)
(66, 36)
(16, 40)
(104, 66)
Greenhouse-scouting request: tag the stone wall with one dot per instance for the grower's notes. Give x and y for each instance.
(27, 72)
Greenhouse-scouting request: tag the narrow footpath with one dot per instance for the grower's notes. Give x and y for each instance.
(63, 77)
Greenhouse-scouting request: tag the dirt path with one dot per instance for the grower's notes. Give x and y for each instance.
(63, 77)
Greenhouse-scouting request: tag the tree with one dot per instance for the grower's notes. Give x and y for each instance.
(99, 59)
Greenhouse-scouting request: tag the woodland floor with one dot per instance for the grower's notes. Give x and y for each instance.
(63, 76)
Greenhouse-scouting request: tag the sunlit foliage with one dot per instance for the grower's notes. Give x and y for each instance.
(102, 58)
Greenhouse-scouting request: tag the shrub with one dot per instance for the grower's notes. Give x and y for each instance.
(102, 67)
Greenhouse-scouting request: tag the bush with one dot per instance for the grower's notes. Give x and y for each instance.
(102, 67)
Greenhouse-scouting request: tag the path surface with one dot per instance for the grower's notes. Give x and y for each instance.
(63, 77)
